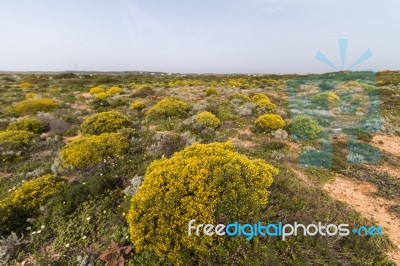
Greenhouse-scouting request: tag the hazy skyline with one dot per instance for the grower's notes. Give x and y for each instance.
(219, 36)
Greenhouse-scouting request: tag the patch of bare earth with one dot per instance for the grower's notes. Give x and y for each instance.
(69, 139)
(359, 196)
(387, 143)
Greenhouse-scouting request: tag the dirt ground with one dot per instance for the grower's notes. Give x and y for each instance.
(359, 196)
(387, 143)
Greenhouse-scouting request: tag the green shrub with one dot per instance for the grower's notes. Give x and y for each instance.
(169, 107)
(105, 122)
(262, 100)
(31, 106)
(326, 99)
(144, 91)
(269, 122)
(211, 91)
(137, 106)
(208, 119)
(305, 128)
(26, 198)
(27, 124)
(88, 150)
(14, 144)
(206, 182)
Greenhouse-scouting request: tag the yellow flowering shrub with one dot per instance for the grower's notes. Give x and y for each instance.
(35, 105)
(208, 119)
(262, 100)
(16, 136)
(27, 197)
(88, 150)
(206, 182)
(96, 90)
(25, 85)
(169, 107)
(137, 106)
(101, 96)
(326, 98)
(28, 124)
(269, 122)
(211, 91)
(105, 122)
(239, 96)
(114, 90)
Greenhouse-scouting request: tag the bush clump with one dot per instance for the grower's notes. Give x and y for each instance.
(96, 90)
(26, 198)
(269, 122)
(16, 136)
(208, 119)
(206, 182)
(169, 107)
(89, 150)
(27, 124)
(35, 105)
(101, 96)
(305, 128)
(211, 91)
(114, 90)
(105, 122)
(137, 106)
(262, 100)
(240, 96)
(326, 99)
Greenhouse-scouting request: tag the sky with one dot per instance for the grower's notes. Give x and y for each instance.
(197, 36)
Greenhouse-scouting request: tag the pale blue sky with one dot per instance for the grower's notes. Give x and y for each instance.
(201, 36)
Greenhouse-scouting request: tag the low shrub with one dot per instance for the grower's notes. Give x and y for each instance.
(326, 99)
(105, 122)
(269, 122)
(207, 119)
(96, 90)
(137, 106)
(31, 106)
(262, 100)
(206, 182)
(25, 199)
(114, 90)
(144, 91)
(26, 85)
(89, 150)
(211, 91)
(305, 128)
(16, 136)
(169, 107)
(239, 96)
(30, 95)
(101, 96)
(27, 124)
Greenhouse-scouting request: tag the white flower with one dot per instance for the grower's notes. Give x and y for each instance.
(43, 226)
(39, 231)
(33, 233)
(83, 237)
(28, 228)
(88, 218)
(67, 245)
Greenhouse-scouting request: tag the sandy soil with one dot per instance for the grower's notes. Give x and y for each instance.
(387, 143)
(359, 196)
